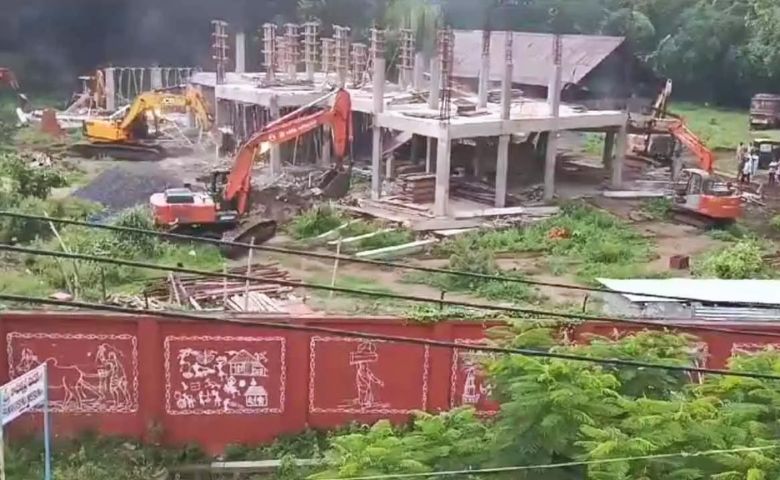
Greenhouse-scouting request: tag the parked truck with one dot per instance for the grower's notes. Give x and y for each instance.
(765, 111)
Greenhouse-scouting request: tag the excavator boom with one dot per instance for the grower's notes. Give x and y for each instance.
(684, 135)
(339, 118)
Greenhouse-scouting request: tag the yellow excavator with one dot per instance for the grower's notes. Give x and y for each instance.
(128, 135)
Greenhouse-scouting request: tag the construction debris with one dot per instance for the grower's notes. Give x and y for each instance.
(417, 188)
(254, 302)
(397, 250)
(205, 292)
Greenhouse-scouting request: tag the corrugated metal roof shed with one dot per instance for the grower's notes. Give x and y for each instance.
(532, 55)
(705, 290)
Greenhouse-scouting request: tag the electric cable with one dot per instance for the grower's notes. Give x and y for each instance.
(550, 466)
(378, 294)
(297, 327)
(365, 261)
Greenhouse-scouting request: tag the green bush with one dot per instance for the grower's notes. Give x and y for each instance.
(314, 222)
(20, 230)
(27, 180)
(742, 260)
(658, 208)
(775, 223)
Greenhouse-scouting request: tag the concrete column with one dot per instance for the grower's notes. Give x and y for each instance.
(389, 172)
(414, 154)
(428, 153)
(419, 70)
(276, 152)
(110, 88)
(442, 194)
(155, 78)
(502, 170)
(484, 80)
(378, 93)
(609, 147)
(324, 159)
(479, 149)
(554, 103)
(621, 145)
(506, 92)
(240, 52)
(433, 97)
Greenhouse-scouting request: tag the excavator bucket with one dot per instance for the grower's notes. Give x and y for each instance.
(335, 184)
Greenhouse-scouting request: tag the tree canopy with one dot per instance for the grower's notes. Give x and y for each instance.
(558, 411)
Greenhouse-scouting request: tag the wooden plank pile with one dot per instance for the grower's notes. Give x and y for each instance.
(417, 188)
(254, 302)
(208, 293)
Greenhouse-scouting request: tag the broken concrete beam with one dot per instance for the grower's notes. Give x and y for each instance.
(628, 194)
(330, 234)
(509, 211)
(397, 250)
(358, 238)
(453, 232)
(445, 224)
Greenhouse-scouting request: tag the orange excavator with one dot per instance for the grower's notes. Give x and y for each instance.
(699, 193)
(223, 207)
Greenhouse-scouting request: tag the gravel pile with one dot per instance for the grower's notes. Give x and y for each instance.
(123, 187)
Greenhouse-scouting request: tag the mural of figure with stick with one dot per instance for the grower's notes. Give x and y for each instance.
(365, 379)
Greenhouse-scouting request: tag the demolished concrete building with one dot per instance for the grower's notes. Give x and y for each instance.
(425, 106)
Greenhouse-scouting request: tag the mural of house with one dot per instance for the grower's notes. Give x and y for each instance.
(256, 396)
(245, 364)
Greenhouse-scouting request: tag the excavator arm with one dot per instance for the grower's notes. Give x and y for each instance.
(339, 118)
(684, 135)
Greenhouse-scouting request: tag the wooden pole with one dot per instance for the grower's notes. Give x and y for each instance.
(248, 273)
(335, 268)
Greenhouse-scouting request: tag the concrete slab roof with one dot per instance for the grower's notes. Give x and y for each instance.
(532, 55)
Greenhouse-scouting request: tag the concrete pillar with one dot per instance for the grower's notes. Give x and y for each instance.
(502, 170)
(442, 193)
(506, 92)
(479, 149)
(324, 160)
(554, 103)
(276, 152)
(433, 97)
(378, 93)
(155, 78)
(609, 147)
(419, 70)
(240, 52)
(389, 172)
(484, 80)
(621, 144)
(428, 153)
(110, 88)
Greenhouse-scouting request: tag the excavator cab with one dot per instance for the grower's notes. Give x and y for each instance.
(700, 193)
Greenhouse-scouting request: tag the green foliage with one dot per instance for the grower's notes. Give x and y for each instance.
(464, 258)
(315, 222)
(658, 208)
(775, 223)
(742, 260)
(731, 233)
(27, 180)
(432, 442)
(595, 243)
(19, 230)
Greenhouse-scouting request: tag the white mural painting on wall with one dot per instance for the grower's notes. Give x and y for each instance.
(367, 384)
(369, 391)
(233, 377)
(91, 376)
(466, 364)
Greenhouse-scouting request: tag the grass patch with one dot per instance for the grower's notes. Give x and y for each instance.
(741, 260)
(593, 144)
(356, 303)
(719, 128)
(580, 240)
(315, 222)
(775, 223)
(658, 208)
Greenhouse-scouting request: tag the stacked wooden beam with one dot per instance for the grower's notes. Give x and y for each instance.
(204, 292)
(417, 188)
(477, 191)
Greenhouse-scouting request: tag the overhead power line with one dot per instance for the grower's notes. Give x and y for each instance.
(551, 466)
(365, 261)
(615, 362)
(656, 323)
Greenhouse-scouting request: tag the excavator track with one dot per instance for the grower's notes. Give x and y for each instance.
(698, 220)
(255, 230)
(119, 151)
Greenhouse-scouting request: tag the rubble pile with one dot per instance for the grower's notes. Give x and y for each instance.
(121, 187)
